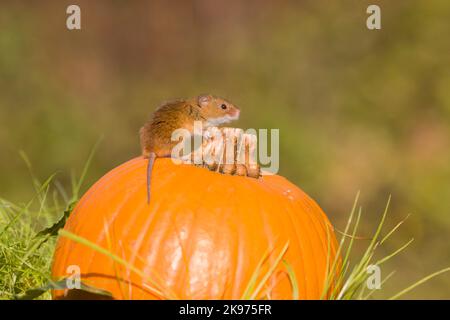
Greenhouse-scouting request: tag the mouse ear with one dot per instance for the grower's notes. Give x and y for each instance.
(204, 100)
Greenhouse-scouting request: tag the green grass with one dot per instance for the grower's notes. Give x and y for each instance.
(26, 251)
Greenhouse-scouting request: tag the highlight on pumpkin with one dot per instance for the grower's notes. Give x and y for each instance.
(236, 135)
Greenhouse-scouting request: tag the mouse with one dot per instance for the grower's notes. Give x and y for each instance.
(156, 134)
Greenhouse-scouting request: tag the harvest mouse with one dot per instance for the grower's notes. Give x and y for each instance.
(156, 134)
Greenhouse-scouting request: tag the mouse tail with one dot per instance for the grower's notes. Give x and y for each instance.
(151, 161)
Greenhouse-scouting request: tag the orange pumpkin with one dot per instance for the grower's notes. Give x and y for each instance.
(204, 235)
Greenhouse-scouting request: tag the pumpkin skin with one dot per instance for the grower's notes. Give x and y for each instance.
(201, 237)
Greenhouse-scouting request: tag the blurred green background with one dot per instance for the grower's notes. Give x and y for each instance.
(357, 109)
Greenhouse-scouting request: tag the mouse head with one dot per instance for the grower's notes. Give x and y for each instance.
(216, 110)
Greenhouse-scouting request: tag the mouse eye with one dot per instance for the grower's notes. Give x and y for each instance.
(223, 106)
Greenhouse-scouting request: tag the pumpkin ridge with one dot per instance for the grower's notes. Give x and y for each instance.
(299, 241)
(272, 240)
